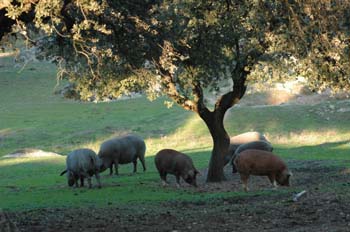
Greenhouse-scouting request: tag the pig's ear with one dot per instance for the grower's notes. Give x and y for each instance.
(286, 172)
(63, 172)
(185, 176)
(191, 172)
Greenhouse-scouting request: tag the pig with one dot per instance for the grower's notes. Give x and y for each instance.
(176, 163)
(81, 164)
(262, 163)
(231, 151)
(247, 137)
(258, 145)
(122, 150)
(240, 139)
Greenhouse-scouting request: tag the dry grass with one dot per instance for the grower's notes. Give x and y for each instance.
(308, 137)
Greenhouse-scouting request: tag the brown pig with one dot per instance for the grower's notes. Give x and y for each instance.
(262, 163)
(258, 145)
(176, 163)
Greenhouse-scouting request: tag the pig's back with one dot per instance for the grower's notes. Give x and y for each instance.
(81, 160)
(124, 148)
(258, 162)
(165, 158)
(247, 138)
(170, 160)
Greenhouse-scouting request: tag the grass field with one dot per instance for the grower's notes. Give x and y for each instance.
(33, 117)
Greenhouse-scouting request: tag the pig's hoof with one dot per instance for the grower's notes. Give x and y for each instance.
(164, 183)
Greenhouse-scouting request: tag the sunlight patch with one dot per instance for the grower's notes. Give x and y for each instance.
(6, 132)
(29, 153)
(308, 137)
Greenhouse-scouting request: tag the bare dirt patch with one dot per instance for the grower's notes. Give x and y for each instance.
(30, 153)
(285, 97)
(325, 207)
(288, 93)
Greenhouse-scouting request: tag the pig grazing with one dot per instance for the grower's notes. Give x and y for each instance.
(82, 163)
(247, 137)
(176, 163)
(257, 145)
(240, 139)
(262, 163)
(123, 150)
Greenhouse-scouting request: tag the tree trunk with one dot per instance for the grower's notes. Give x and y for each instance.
(221, 141)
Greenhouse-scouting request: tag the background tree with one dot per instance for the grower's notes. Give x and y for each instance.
(186, 48)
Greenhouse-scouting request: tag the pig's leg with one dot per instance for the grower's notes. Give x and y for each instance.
(97, 175)
(135, 165)
(234, 169)
(274, 184)
(178, 181)
(116, 162)
(142, 159)
(76, 182)
(89, 181)
(81, 181)
(244, 179)
(272, 178)
(163, 178)
(111, 169)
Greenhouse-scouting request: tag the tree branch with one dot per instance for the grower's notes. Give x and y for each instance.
(202, 110)
(172, 92)
(239, 76)
(225, 102)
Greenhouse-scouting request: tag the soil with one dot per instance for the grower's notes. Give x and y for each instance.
(324, 207)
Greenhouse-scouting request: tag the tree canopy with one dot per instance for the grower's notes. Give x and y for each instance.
(182, 48)
(105, 46)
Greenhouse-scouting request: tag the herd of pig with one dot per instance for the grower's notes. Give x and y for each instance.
(249, 154)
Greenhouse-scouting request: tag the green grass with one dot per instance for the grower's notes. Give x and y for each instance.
(33, 117)
(35, 183)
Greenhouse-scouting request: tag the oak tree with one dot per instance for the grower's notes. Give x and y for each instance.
(186, 48)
